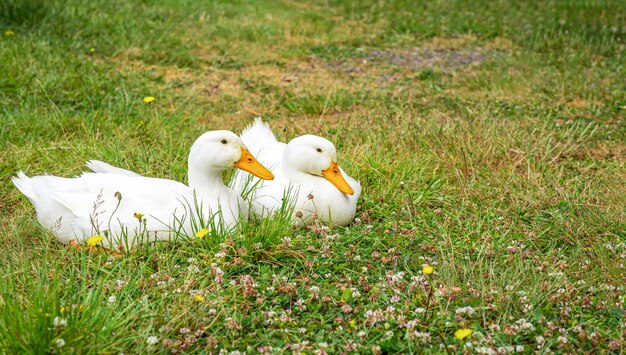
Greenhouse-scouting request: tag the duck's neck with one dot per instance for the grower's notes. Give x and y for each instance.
(205, 182)
(295, 176)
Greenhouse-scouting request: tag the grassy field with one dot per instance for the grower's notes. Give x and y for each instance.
(489, 137)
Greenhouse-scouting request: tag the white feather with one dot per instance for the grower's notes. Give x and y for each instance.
(98, 166)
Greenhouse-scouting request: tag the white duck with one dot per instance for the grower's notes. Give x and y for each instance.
(126, 208)
(306, 172)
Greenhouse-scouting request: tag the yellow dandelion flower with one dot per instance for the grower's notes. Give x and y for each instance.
(95, 240)
(462, 333)
(199, 298)
(138, 215)
(148, 99)
(202, 232)
(9, 33)
(427, 270)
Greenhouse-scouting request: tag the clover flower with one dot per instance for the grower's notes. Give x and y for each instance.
(152, 340)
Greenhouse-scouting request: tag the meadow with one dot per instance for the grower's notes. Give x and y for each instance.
(489, 137)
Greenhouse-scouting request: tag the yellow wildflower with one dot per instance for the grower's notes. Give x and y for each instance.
(462, 333)
(92, 49)
(95, 240)
(148, 99)
(199, 298)
(352, 323)
(138, 215)
(427, 270)
(202, 232)
(9, 33)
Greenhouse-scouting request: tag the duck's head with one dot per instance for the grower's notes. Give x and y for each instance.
(216, 151)
(317, 156)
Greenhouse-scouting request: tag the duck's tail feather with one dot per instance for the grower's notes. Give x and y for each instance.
(23, 183)
(101, 167)
(257, 135)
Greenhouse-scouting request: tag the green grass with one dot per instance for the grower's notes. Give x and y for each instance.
(489, 137)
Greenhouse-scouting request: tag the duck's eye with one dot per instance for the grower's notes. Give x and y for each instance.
(319, 150)
(224, 141)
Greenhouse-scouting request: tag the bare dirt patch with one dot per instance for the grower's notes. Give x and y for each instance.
(445, 54)
(419, 58)
(613, 152)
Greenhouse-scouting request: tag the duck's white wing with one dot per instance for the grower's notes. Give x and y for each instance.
(101, 167)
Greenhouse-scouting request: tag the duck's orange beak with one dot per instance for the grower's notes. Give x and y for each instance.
(333, 174)
(249, 163)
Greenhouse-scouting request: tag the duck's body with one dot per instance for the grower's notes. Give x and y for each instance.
(127, 208)
(301, 179)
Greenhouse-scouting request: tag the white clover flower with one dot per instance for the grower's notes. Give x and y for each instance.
(59, 343)
(469, 311)
(423, 336)
(59, 322)
(494, 327)
(152, 340)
